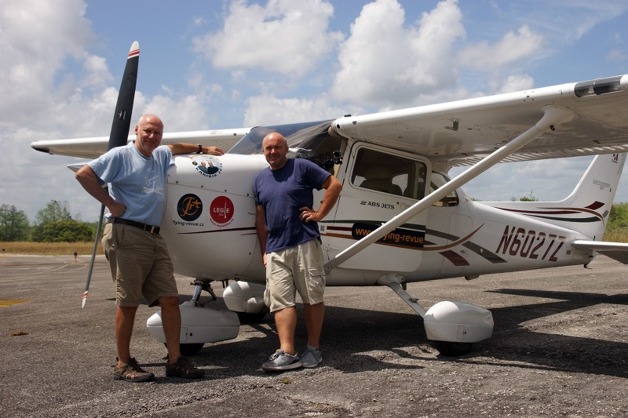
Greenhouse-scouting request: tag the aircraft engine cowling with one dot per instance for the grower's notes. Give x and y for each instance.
(209, 223)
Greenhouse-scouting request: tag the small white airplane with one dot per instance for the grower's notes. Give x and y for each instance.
(400, 218)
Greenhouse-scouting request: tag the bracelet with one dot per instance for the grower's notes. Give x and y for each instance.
(200, 149)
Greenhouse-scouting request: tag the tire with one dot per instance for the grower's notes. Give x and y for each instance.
(451, 349)
(189, 350)
(251, 318)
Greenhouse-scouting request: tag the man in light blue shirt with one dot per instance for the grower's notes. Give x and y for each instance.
(138, 256)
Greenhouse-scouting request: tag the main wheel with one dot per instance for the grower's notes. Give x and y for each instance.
(251, 318)
(451, 349)
(189, 349)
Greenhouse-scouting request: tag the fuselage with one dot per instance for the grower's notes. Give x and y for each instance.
(210, 227)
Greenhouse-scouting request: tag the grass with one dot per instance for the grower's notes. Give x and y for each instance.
(48, 248)
(618, 235)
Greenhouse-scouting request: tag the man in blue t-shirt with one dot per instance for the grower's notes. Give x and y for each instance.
(291, 247)
(138, 256)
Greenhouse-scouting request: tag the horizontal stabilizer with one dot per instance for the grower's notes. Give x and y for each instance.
(615, 250)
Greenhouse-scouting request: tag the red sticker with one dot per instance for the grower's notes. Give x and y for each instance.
(221, 210)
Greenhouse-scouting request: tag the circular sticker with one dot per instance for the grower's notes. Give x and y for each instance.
(221, 210)
(190, 207)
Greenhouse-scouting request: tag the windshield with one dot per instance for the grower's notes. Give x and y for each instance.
(309, 140)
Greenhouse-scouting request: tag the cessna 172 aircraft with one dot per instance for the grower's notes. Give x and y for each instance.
(400, 218)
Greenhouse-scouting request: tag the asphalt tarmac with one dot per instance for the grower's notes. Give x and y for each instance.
(560, 348)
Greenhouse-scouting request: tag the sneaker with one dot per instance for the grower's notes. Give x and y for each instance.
(311, 357)
(280, 361)
(131, 372)
(185, 369)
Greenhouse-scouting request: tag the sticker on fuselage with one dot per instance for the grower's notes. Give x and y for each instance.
(381, 205)
(399, 237)
(189, 207)
(221, 211)
(207, 165)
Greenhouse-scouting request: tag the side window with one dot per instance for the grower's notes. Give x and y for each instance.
(437, 181)
(388, 173)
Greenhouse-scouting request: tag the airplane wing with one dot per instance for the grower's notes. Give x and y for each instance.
(615, 250)
(96, 146)
(463, 132)
(459, 133)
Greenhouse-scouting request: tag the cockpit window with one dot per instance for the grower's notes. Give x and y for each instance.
(437, 181)
(393, 174)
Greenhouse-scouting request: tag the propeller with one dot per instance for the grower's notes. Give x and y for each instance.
(119, 134)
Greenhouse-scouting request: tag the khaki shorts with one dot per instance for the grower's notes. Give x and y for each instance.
(298, 269)
(140, 265)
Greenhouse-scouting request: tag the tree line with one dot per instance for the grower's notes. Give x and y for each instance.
(53, 223)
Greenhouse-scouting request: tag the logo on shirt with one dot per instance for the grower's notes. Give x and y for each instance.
(221, 210)
(207, 165)
(190, 207)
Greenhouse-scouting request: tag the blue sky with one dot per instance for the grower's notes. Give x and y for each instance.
(226, 64)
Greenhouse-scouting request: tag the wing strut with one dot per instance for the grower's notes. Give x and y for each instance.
(552, 116)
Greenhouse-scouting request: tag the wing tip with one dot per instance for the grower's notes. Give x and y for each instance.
(41, 149)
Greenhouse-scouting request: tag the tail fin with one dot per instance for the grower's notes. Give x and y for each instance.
(587, 208)
(593, 196)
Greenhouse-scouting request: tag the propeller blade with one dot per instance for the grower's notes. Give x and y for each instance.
(124, 107)
(119, 134)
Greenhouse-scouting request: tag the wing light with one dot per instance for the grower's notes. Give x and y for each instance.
(598, 86)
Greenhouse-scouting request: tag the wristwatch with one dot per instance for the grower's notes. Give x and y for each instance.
(200, 149)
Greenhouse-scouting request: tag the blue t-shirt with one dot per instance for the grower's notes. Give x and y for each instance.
(135, 180)
(282, 192)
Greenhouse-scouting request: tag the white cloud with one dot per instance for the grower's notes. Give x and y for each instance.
(270, 110)
(36, 40)
(385, 61)
(284, 36)
(517, 83)
(514, 46)
(180, 113)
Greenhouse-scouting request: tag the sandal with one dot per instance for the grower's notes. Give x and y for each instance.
(132, 372)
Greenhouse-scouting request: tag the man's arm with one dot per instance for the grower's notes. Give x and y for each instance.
(177, 149)
(332, 190)
(91, 183)
(260, 227)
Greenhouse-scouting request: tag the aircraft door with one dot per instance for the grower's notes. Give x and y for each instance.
(378, 185)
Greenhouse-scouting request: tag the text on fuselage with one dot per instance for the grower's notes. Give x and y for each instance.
(527, 243)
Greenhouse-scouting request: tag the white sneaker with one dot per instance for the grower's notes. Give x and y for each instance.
(280, 361)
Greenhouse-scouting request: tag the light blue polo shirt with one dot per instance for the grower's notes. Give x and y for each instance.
(136, 181)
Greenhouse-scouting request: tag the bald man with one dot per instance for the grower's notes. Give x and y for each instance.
(140, 263)
(287, 229)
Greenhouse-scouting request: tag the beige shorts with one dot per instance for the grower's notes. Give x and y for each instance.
(298, 269)
(140, 265)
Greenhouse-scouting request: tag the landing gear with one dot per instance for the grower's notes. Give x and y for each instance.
(449, 349)
(451, 327)
(189, 350)
(251, 318)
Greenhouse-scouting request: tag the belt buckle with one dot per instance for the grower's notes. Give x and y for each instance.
(153, 229)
